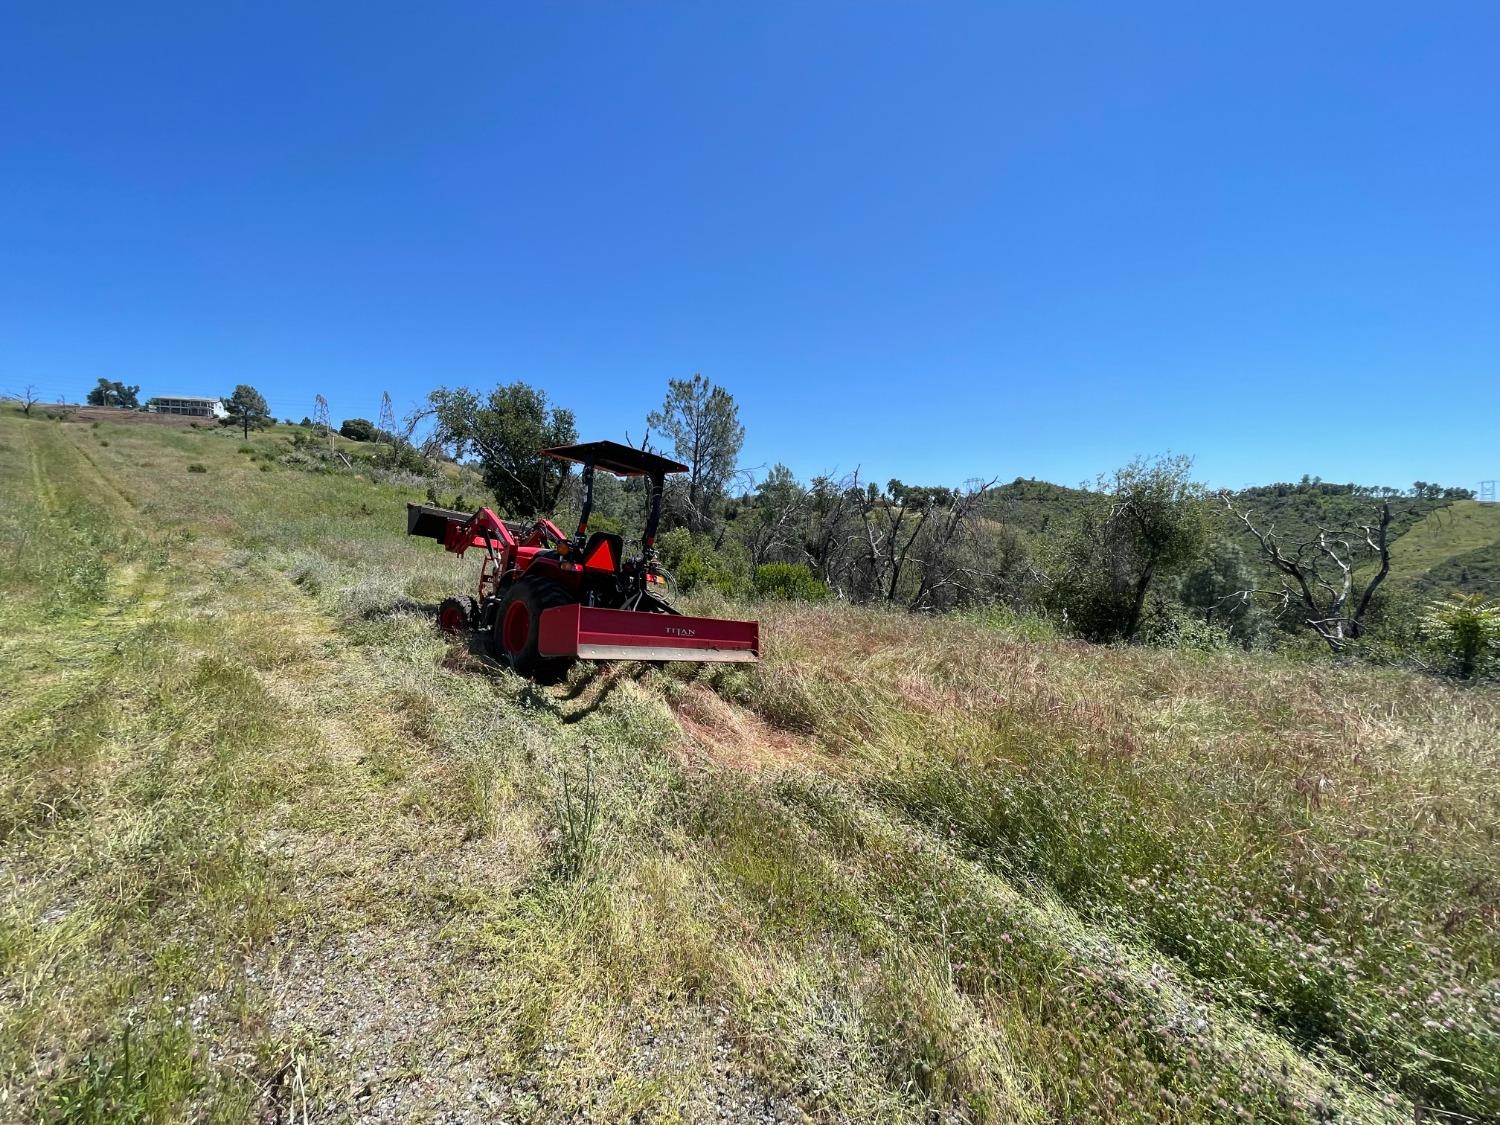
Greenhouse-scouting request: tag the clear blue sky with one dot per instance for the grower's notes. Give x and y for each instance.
(934, 240)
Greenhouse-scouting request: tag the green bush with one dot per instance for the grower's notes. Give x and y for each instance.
(1466, 630)
(611, 524)
(402, 457)
(359, 429)
(1396, 632)
(195, 467)
(1170, 624)
(695, 564)
(788, 582)
(1016, 624)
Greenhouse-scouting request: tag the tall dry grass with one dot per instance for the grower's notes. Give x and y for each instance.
(905, 870)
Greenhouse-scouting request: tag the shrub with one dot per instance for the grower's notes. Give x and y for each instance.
(788, 582)
(401, 457)
(359, 429)
(195, 467)
(1467, 629)
(1397, 634)
(1016, 624)
(701, 570)
(1170, 624)
(696, 565)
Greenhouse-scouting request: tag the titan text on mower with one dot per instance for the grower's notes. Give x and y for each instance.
(546, 600)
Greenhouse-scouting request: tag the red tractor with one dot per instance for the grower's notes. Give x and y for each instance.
(546, 600)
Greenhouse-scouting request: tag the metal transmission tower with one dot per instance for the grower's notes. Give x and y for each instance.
(1487, 492)
(320, 418)
(387, 423)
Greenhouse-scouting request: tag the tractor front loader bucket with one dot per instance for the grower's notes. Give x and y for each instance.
(430, 522)
(591, 633)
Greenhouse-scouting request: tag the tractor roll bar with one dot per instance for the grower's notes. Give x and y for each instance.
(653, 510)
(623, 461)
(653, 514)
(588, 499)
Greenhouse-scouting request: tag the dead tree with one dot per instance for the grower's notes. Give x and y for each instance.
(831, 542)
(776, 528)
(27, 398)
(1317, 575)
(909, 542)
(947, 572)
(891, 528)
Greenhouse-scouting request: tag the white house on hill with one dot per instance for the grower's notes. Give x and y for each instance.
(196, 406)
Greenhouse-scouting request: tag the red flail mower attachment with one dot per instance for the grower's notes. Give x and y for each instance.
(546, 599)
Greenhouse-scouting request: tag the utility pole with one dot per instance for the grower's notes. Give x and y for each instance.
(1487, 492)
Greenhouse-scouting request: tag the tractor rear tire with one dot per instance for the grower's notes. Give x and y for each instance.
(457, 615)
(518, 626)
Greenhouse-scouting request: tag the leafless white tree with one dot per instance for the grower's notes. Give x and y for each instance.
(1317, 575)
(27, 398)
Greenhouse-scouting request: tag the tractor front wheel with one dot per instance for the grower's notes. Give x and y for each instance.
(457, 615)
(517, 630)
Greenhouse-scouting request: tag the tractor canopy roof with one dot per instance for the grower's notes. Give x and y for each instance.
(611, 456)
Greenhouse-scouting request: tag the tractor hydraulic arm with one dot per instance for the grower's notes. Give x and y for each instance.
(482, 529)
(458, 531)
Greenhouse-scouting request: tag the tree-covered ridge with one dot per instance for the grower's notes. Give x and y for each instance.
(1143, 554)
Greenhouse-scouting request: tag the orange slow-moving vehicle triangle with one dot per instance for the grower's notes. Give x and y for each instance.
(602, 557)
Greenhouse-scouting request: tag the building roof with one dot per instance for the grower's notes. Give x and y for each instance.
(189, 398)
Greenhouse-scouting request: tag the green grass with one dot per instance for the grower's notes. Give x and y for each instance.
(1456, 548)
(264, 828)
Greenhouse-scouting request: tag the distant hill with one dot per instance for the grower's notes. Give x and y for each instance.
(1034, 506)
(1296, 512)
(1439, 545)
(1454, 548)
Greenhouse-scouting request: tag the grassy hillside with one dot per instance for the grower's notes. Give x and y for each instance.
(1035, 507)
(272, 848)
(1296, 515)
(1438, 545)
(1454, 548)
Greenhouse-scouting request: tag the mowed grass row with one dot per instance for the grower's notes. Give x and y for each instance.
(133, 890)
(969, 875)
